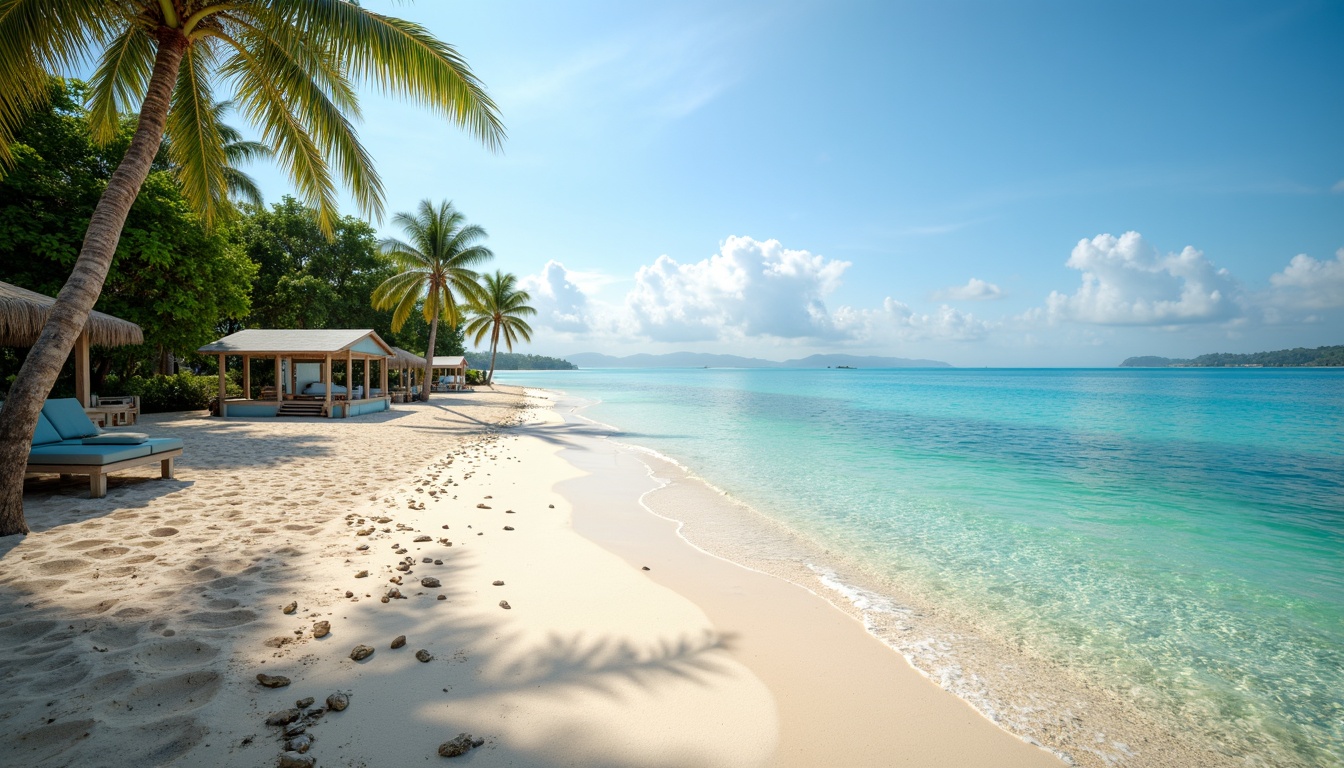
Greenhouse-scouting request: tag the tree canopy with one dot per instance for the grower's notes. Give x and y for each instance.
(170, 276)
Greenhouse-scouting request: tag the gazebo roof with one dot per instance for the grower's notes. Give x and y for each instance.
(450, 361)
(407, 358)
(24, 312)
(326, 341)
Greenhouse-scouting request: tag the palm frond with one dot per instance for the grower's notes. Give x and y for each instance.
(400, 57)
(118, 86)
(42, 36)
(195, 145)
(242, 187)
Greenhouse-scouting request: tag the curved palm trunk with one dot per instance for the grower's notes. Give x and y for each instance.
(494, 350)
(71, 311)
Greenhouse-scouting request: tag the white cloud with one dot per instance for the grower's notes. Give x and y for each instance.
(748, 289)
(975, 289)
(559, 302)
(897, 322)
(1339, 186)
(1309, 283)
(1126, 281)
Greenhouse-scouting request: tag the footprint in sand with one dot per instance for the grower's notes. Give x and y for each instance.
(107, 553)
(24, 632)
(86, 544)
(118, 636)
(41, 744)
(177, 693)
(176, 654)
(165, 531)
(57, 675)
(221, 619)
(60, 567)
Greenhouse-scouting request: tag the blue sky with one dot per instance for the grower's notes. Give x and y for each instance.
(986, 183)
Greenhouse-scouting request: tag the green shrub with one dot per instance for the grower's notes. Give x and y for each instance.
(179, 392)
(475, 377)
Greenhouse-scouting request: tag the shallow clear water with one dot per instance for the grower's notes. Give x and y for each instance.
(1176, 533)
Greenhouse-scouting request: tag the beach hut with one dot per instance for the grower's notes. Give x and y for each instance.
(304, 363)
(450, 373)
(410, 365)
(24, 312)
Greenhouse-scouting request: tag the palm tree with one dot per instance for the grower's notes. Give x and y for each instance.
(435, 270)
(291, 65)
(500, 309)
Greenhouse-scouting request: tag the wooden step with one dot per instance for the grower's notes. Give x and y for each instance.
(300, 408)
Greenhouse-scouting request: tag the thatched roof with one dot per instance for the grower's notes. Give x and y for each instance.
(24, 312)
(408, 358)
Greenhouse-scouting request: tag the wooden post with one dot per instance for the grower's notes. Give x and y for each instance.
(82, 382)
(279, 382)
(223, 393)
(326, 374)
(349, 379)
(293, 377)
(367, 394)
(247, 377)
(382, 377)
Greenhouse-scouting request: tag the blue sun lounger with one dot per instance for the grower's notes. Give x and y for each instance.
(66, 442)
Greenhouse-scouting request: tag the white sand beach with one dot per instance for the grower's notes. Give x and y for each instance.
(133, 627)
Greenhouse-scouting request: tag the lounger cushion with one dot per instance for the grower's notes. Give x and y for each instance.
(45, 433)
(95, 455)
(116, 438)
(69, 419)
(320, 388)
(161, 444)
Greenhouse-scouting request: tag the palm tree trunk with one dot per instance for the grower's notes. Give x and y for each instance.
(429, 353)
(70, 312)
(494, 350)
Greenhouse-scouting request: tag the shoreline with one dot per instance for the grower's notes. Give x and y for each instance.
(136, 624)
(1067, 715)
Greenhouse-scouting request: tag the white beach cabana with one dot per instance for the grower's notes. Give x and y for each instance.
(450, 373)
(303, 362)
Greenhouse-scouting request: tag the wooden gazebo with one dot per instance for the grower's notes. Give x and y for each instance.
(410, 365)
(23, 313)
(303, 366)
(454, 369)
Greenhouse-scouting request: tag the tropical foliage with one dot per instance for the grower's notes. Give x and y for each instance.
(1299, 357)
(517, 361)
(498, 309)
(170, 276)
(434, 266)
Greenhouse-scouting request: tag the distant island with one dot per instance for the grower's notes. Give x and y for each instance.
(515, 361)
(704, 360)
(1283, 358)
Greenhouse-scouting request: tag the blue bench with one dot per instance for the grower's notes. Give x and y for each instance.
(66, 442)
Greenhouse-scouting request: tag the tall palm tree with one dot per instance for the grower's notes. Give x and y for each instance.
(499, 309)
(291, 66)
(436, 269)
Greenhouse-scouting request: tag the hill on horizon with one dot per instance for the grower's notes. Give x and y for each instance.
(1299, 357)
(708, 360)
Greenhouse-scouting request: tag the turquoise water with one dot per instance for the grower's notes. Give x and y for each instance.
(1176, 533)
